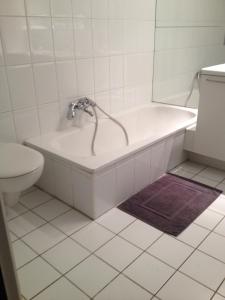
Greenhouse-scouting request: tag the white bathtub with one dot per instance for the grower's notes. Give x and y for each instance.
(94, 184)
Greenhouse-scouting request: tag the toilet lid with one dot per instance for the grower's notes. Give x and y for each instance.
(17, 160)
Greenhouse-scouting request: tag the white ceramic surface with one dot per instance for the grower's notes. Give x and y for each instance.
(94, 184)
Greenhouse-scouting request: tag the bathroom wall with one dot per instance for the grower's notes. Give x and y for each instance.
(189, 35)
(54, 51)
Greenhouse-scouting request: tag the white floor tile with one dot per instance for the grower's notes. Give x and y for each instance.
(115, 220)
(149, 272)
(36, 276)
(93, 236)
(43, 238)
(141, 234)
(220, 228)
(25, 224)
(222, 289)
(22, 253)
(15, 211)
(29, 190)
(181, 172)
(214, 245)
(123, 289)
(92, 275)
(191, 167)
(13, 237)
(193, 235)
(208, 219)
(219, 205)
(218, 297)
(213, 174)
(181, 287)
(204, 269)
(51, 209)
(35, 198)
(118, 253)
(71, 221)
(205, 181)
(221, 187)
(170, 250)
(65, 255)
(62, 289)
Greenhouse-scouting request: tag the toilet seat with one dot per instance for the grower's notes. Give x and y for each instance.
(17, 160)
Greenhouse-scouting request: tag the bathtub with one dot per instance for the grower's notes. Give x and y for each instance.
(95, 184)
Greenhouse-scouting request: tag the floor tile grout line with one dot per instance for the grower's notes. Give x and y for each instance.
(112, 238)
(196, 248)
(217, 291)
(51, 265)
(99, 248)
(91, 253)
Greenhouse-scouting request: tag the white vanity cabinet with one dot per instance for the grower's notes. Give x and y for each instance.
(210, 130)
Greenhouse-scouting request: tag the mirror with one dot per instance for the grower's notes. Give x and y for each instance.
(189, 35)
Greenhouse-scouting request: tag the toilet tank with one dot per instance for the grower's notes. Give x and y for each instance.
(210, 129)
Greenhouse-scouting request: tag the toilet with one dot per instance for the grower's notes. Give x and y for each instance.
(20, 168)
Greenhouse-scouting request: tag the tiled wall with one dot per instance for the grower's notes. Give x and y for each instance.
(189, 35)
(54, 50)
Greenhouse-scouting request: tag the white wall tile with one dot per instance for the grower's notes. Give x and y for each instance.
(7, 129)
(116, 71)
(140, 9)
(85, 76)
(125, 180)
(184, 45)
(130, 35)
(41, 39)
(99, 9)
(100, 37)
(61, 8)
(4, 92)
(105, 192)
(12, 8)
(49, 117)
(27, 124)
(116, 100)
(81, 9)
(142, 170)
(1, 54)
(63, 38)
(15, 40)
(138, 69)
(82, 191)
(101, 74)
(103, 100)
(63, 182)
(116, 37)
(117, 9)
(45, 83)
(83, 38)
(21, 86)
(145, 36)
(67, 83)
(47, 179)
(157, 163)
(38, 8)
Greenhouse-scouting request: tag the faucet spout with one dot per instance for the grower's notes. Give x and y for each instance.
(81, 104)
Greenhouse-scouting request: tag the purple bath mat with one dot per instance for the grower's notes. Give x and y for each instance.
(171, 203)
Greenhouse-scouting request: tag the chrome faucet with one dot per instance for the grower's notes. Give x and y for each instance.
(81, 104)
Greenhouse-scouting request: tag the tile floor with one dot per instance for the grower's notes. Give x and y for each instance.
(61, 254)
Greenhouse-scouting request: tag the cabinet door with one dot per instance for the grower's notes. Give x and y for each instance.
(210, 130)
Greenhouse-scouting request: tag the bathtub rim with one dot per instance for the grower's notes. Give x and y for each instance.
(92, 164)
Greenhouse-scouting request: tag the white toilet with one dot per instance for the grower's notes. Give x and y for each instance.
(20, 168)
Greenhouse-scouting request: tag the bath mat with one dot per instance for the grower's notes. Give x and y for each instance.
(171, 203)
